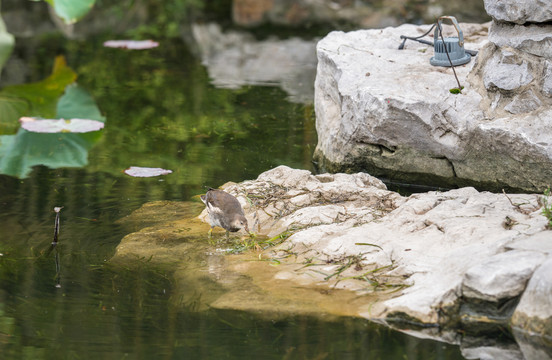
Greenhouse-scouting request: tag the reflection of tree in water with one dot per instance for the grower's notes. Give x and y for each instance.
(163, 112)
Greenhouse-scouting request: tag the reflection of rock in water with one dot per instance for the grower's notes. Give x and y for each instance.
(486, 348)
(236, 59)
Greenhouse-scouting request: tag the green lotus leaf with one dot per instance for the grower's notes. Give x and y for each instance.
(11, 109)
(77, 103)
(42, 96)
(20, 152)
(6, 43)
(71, 10)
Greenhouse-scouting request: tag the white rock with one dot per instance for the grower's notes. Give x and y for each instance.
(281, 176)
(390, 113)
(547, 80)
(541, 242)
(519, 12)
(284, 199)
(523, 103)
(506, 76)
(533, 39)
(501, 276)
(534, 311)
(440, 243)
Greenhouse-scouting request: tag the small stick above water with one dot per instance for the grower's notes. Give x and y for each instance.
(54, 243)
(56, 225)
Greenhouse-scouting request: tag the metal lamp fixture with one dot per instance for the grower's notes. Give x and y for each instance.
(449, 49)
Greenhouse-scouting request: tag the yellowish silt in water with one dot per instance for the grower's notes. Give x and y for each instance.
(205, 274)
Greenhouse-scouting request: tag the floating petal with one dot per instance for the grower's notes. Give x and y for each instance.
(137, 171)
(131, 44)
(60, 125)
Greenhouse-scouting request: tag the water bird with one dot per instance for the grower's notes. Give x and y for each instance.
(224, 211)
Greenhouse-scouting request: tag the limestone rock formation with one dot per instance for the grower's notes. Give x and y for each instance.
(451, 247)
(532, 317)
(390, 113)
(464, 256)
(354, 248)
(519, 12)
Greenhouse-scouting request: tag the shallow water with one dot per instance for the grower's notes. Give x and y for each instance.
(161, 110)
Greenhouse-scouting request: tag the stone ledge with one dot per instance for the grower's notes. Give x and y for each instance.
(390, 113)
(448, 252)
(519, 12)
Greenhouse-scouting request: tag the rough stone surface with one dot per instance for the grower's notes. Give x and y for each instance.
(519, 12)
(540, 242)
(501, 276)
(515, 69)
(284, 199)
(506, 76)
(547, 80)
(357, 249)
(471, 234)
(389, 113)
(513, 72)
(533, 315)
(533, 39)
(523, 103)
(512, 81)
(533, 347)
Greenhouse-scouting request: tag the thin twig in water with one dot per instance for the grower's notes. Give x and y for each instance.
(54, 246)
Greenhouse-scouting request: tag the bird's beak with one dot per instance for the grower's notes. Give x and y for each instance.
(246, 227)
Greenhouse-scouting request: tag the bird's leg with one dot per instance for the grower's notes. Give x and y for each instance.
(227, 235)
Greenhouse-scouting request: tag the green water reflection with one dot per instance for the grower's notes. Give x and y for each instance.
(124, 314)
(160, 111)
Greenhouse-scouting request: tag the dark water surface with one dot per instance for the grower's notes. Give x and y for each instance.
(160, 111)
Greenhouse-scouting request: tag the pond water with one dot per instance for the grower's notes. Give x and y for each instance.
(161, 109)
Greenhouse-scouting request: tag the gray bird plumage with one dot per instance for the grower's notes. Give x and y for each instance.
(224, 211)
